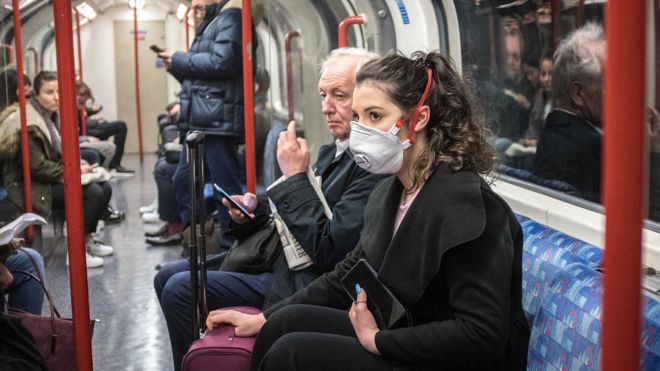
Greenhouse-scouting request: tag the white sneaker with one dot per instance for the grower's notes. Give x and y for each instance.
(90, 260)
(99, 249)
(100, 226)
(119, 175)
(151, 218)
(151, 208)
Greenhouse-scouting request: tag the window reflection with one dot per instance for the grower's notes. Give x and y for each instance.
(541, 87)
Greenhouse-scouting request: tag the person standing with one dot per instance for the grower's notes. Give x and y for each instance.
(211, 75)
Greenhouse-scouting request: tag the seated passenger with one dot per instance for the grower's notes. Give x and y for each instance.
(46, 164)
(167, 211)
(570, 148)
(24, 292)
(542, 104)
(447, 246)
(344, 185)
(102, 129)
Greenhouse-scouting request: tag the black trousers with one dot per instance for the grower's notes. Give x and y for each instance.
(308, 337)
(104, 130)
(96, 197)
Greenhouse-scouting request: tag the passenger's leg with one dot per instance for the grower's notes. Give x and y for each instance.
(118, 130)
(24, 292)
(167, 271)
(225, 289)
(167, 202)
(96, 197)
(222, 161)
(306, 337)
(182, 187)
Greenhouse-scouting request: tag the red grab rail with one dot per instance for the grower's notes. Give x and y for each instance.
(248, 97)
(72, 187)
(137, 82)
(348, 21)
(288, 39)
(624, 167)
(10, 50)
(35, 55)
(187, 27)
(80, 61)
(25, 148)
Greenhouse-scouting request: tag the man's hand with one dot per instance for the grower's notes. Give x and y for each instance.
(10, 248)
(364, 323)
(249, 200)
(6, 277)
(166, 56)
(292, 152)
(246, 325)
(85, 169)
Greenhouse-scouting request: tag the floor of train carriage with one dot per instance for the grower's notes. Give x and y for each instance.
(132, 334)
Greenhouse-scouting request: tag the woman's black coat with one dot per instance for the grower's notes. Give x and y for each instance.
(454, 263)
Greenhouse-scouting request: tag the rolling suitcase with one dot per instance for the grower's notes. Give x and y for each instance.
(219, 349)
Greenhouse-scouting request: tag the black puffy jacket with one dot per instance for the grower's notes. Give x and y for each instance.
(211, 74)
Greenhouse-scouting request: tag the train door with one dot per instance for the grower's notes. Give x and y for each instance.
(153, 92)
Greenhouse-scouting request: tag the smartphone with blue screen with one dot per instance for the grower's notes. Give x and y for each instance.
(235, 204)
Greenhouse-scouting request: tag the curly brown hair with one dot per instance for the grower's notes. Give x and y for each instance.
(457, 135)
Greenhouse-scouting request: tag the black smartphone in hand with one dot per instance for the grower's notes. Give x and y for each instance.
(383, 305)
(156, 49)
(235, 204)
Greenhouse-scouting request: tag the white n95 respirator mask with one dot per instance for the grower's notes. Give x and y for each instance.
(381, 152)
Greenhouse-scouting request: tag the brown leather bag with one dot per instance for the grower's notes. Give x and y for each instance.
(52, 334)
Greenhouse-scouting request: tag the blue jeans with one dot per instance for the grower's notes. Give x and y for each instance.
(221, 160)
(167, 202)
(24, 292)
(225, 289)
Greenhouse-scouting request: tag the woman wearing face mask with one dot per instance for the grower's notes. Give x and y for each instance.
(445, 245)
(46, 169)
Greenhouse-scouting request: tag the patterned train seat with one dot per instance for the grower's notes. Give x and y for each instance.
(567, 329)
(651, 332)
(546, 252)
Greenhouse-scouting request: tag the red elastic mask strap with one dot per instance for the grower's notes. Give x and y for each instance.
(415, 115)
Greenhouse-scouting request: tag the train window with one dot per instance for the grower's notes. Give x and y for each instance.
(538, 77)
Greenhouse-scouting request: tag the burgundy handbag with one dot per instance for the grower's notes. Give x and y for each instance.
(52, 334)
(221, 349)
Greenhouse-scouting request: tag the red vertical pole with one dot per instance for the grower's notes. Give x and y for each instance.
(9, 50)
(248, 94)
(80, 61)
(288, 38)
(348, 21)
(25, 149)
(83, 118)
(72, 187)
(624, 154)
(195, 20)
(187, 26)
(137, 82)
(35, 55)
(579, 18)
